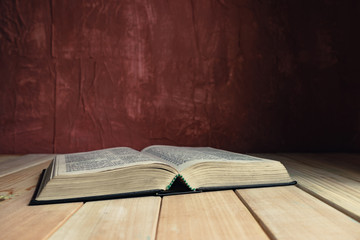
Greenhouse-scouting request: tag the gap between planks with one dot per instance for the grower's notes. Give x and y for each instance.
(290, 213)
(129, 218)
(207, 215)
(210, 215)
(268, 226)
(337, 190)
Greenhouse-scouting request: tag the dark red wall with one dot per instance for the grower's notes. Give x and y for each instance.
(244, 75)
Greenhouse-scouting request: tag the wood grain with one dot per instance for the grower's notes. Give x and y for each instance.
(340, 192)
(20, 221)
(16, 184)
(12, 165)
(6, 157)
(211, 215)
(283, 212)
(290, 213)
(346, 165)
(134, 218)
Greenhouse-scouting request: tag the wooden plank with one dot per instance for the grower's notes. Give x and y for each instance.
(6, 157)
(16, 164)
(350, 159)
(346, 165)
(290, 213)
(338, 191)
(18, 183)
(133, 218)
(20, 221)
(210, 215)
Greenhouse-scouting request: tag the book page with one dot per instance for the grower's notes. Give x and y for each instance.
(101, 160)
(182, 157)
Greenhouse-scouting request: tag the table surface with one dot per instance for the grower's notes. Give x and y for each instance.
(325, 204)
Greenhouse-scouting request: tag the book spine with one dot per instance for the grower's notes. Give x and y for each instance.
(182, 179)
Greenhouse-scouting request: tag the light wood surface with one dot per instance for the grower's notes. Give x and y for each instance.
(6, 157)
(341, 192)
(134, 218)
(346, 165)
(205, 216)
(20, 221)
(22, 162)
(259, 213)
(290, 213)
(12, 186)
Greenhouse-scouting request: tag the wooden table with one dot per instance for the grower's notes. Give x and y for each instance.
(324, 205)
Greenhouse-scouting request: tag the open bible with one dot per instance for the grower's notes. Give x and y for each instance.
(124, 172)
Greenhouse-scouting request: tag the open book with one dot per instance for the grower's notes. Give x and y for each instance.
(123, 172)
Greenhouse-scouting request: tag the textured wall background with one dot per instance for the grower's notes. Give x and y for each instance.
(244, 75)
